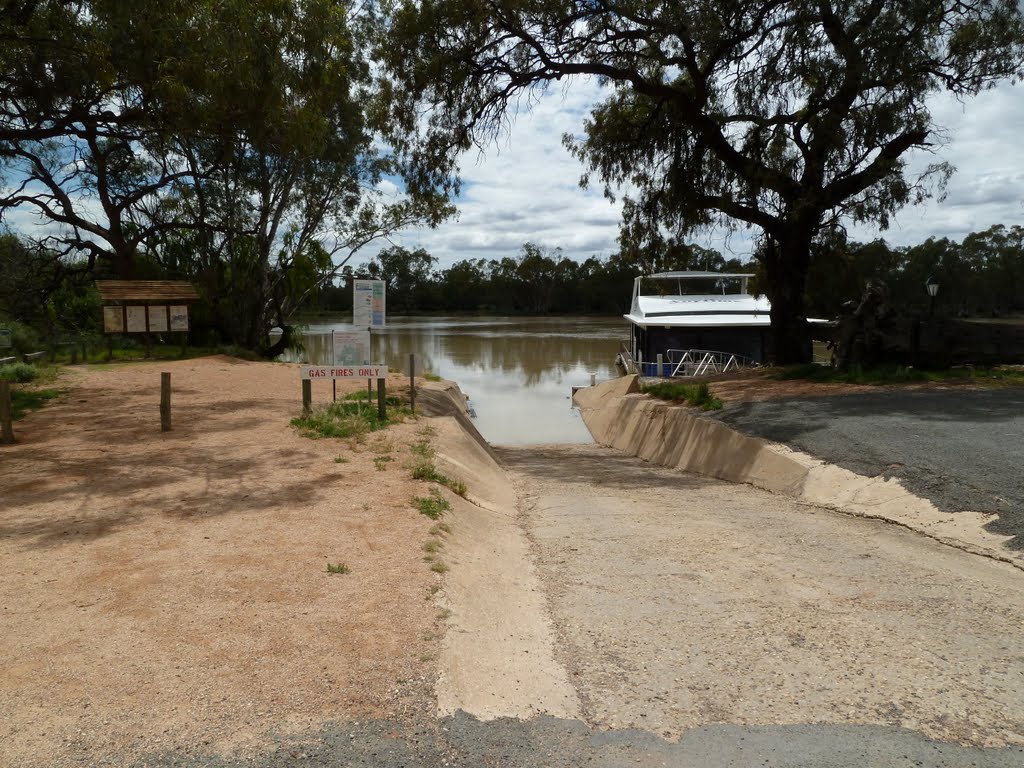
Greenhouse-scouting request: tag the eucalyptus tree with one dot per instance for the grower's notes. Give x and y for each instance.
(787, 116)
(93, 95)
(240, 144)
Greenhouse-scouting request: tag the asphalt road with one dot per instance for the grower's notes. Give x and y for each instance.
(464, 742)
(960, 449)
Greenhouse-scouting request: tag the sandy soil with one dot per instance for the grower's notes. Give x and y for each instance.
(169, 591)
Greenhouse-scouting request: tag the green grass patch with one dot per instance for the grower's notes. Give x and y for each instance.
(427, 471)
(433, 546)
(431, 377)
(422, 450)
(697, 395)
(338, 568)
(362, 396)
(440, 529)
(380, 462)
(345, 419)
(23, 401)
(434, 505)
(439, 566)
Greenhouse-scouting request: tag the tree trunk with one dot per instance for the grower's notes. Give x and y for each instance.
(786, 263)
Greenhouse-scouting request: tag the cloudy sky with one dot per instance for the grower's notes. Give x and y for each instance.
(525, 188)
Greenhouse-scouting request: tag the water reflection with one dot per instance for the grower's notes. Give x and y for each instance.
(517, 372)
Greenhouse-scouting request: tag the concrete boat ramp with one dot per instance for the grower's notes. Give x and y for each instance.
(687, 595)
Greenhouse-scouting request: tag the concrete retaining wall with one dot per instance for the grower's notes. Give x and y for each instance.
(619, 416)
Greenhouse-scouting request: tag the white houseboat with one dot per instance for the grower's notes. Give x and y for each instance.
(697, 322)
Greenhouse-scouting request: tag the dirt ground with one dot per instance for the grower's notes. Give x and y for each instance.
(170, 591)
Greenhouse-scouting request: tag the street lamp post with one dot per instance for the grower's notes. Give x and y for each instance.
(932, 286)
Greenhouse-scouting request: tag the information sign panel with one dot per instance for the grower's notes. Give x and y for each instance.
(368, 303)
(351, 346)
(136, 319)
(113, 320)
(343, 372)
(157, 319)
(179, 317)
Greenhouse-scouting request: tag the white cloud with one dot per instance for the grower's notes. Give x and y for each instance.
(526, 187)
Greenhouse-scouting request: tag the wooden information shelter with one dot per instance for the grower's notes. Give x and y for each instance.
(146, 306)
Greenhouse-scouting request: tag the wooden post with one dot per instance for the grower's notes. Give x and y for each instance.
(369, 391)
(6, 416)
(307, 395)
(334, 390)
(593, 379)
(412, 382)
(660, 371)
(382, 400)
(165, 401)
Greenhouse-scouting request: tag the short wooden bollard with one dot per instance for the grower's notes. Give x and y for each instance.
(6, 415)
(382, 404)
(412, 382)
(307, 395)
(165, 402)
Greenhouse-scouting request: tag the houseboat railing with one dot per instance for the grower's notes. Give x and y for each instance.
(700, 362)
(625, 359)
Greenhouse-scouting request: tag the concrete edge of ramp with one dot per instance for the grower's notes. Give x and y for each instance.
(618, 416)
(497, 655)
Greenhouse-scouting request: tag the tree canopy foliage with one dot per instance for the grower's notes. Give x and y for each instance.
(789, 116)
(242, 145)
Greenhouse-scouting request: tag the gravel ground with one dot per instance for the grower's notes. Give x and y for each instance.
(959, 448)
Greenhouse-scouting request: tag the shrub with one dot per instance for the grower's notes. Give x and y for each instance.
(19, 372)
(697, 395)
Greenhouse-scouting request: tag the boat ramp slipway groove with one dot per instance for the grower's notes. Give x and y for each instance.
(497, 658)
(618, 416)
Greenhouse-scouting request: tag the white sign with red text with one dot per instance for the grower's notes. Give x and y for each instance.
(343, 371)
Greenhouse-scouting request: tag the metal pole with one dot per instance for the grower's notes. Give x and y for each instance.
(382, 411)
(307, 395)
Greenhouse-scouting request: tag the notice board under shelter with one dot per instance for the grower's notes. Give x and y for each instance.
(146, 306)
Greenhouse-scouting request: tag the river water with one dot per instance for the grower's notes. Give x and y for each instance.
(517, 371)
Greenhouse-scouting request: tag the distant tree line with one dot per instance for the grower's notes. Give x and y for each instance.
(983, 275)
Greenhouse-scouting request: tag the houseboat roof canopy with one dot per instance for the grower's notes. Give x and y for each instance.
(688, 275)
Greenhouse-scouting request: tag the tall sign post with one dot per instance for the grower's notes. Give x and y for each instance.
(368, 311)
(368, 300)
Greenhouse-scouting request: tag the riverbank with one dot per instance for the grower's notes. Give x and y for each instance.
(170, 591)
